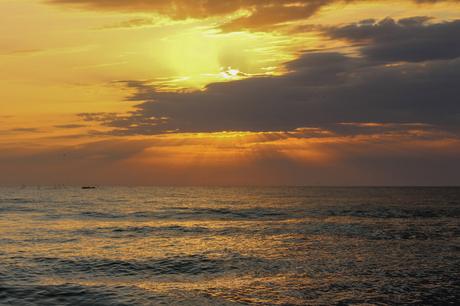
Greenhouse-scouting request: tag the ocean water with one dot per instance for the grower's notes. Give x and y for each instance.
(229, 246)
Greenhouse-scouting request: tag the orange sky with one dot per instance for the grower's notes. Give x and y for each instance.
(247, 92)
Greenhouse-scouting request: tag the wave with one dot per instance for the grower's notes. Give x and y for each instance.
(391, 212)
(65, 294)
(184, 265)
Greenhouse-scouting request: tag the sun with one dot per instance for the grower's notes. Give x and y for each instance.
(229, 73)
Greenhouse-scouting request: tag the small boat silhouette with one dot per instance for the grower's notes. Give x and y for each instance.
(88, 187)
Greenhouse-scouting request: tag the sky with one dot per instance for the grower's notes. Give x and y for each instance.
(237, 92)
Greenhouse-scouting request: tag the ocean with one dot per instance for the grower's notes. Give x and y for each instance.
(229, 246)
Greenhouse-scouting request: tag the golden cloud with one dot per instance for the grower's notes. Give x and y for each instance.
(256, 14)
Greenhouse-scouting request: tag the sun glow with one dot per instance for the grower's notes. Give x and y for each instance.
(198, 56)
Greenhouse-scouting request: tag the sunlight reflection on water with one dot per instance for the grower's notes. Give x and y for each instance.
(229, 246)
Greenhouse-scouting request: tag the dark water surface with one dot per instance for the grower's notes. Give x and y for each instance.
(229, 246)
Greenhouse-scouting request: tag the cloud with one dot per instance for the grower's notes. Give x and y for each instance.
(27, 130)
(89, 152)
(131, 23)
(400, 78)
(321, 90)
(410, 39)
(178, 9)
(24, 52)
(69, 126)
(24, 130)
(266, 159)
(258, 14)
(276, 13)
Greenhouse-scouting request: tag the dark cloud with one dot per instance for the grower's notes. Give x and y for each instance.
(321, 90)
(411, 39)
(69, 126)
(20, 131)
(375, 160)
(261, 14)
(27, 130)
(108, 151)
(78, 164)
